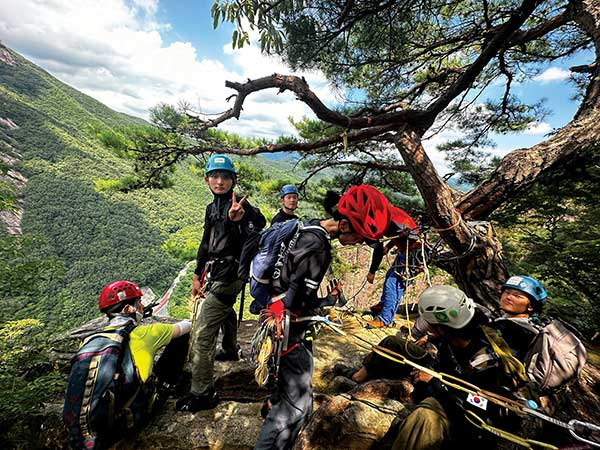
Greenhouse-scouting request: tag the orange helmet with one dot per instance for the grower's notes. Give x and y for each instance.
(367, 209)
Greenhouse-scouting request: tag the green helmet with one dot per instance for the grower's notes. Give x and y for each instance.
(446, 305)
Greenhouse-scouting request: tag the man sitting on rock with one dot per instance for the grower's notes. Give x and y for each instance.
(465, 352)
(115, 384)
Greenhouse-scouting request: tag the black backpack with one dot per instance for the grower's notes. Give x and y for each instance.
(102, 385)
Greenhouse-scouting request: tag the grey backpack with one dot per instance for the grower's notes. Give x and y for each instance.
(555, 357)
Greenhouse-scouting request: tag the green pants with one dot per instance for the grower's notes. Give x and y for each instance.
(426, 428)
(215, 312)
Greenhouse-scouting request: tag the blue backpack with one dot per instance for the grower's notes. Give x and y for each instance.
(102, 384)
(267, 264)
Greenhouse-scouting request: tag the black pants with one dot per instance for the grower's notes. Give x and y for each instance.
(169, 367)
(292, 400)
(381, 367)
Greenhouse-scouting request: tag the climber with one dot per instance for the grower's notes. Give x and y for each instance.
(288, 195)
(228, 222)
(115, 384)
(402, 228)
(360, 213)
(464, 351)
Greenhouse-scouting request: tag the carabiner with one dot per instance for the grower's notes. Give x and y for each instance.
(591, 426)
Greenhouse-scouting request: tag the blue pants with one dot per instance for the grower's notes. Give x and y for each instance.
(393, 290)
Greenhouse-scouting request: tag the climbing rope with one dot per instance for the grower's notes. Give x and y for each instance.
(478, 422)
(519, 406)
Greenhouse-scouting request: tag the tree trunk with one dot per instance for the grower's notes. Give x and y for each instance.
(478, 267)
(476, 264)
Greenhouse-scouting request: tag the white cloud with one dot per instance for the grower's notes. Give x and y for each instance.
(114, 51)
(553, 74)
(540, 128)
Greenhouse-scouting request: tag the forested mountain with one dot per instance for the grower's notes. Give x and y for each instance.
(78, 232)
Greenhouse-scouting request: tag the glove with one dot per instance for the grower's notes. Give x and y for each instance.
(334, 293)
(277, 308)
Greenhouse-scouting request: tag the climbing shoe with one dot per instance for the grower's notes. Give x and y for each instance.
(192, 402)
(372, 311)
(342, 384)
(377, 323)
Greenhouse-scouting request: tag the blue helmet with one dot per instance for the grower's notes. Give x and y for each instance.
(288, 189)
(530, 286)
(219, 162)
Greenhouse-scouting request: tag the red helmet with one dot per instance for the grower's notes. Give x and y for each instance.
(117, 292)
(367, 209)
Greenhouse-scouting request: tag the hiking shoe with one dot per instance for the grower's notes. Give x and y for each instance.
(377, 323)
(343, 384)
(376, 309)
(222, 355)
(344, 370)
(192, 402)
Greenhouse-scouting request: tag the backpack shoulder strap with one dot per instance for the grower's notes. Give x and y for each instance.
(125, 363)
(513, 368)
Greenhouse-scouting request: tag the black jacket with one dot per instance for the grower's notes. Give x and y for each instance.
(282, 216)
(223, 239)
(304, 269)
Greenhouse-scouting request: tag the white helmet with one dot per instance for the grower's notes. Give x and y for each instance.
(446, 305)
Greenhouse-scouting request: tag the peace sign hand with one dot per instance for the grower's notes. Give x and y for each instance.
(236, 212)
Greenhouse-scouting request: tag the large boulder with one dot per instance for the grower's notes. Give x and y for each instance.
(359, 419)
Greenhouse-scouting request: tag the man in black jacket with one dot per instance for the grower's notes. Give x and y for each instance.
(228, 222)
(295, 294)
(288, 196)
(464, 351)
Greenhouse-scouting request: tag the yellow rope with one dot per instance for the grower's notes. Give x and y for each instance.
(478, 422)
(407, 272)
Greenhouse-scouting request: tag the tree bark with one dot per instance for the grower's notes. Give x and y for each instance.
(477, 266)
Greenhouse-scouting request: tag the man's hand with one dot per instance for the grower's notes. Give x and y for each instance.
(236, 212)
(370, 277)
(420, 376)
(422, 341)
(196, 286)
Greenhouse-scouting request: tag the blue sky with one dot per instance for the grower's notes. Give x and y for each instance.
(133, 54)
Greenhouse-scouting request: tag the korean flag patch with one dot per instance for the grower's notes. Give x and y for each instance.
(478, 401)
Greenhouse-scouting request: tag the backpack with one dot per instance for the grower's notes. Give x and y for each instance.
(266, 265)
(102, 383)
(555, 355)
